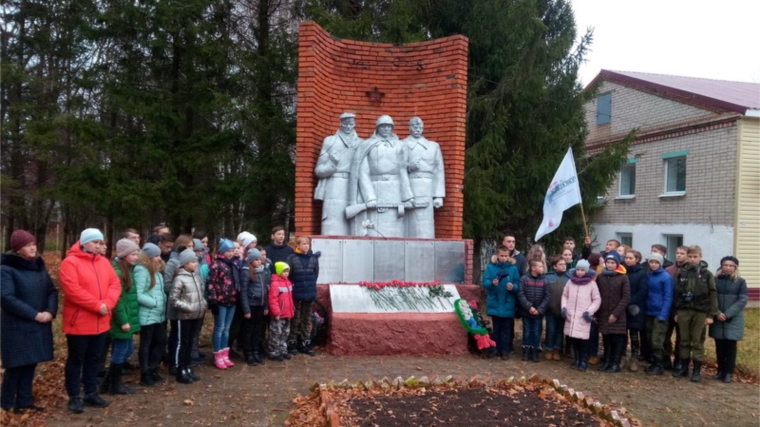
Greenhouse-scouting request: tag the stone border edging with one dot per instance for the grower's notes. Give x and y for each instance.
(333, 420)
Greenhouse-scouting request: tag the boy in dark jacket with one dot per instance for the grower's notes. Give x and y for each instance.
(696, 303)
(534, 295)
(253, 300)
(304, 270)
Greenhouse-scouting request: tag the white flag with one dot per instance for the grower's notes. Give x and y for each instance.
(563, 193)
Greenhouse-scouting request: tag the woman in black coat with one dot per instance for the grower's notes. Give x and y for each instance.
(637, 278)
(29, 302)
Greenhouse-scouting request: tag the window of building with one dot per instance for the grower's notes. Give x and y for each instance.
(672, 242)
(628, 180)
(625, 239)
(675, 173)
(603, 109)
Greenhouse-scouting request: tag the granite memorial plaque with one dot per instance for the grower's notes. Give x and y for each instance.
(419, 259)
(358, 256)
(449, 262)
(389, 260)
(331, 261)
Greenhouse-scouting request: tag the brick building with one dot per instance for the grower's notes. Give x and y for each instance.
(693, 176)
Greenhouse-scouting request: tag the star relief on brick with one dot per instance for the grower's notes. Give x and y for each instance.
(375, 96)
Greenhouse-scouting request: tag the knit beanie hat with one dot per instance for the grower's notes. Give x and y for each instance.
(187, 256)
(21, 238)
(125, 247)
(654, 256)
(242, 236)
(583, 265)
(247, 240)
(280, 266)
(151, 251)
(198, 245)
(225, 245)
(253, 255)
(725, 258)
(89, 235)
(613, 255)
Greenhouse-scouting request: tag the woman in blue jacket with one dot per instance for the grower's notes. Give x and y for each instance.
(29, 303)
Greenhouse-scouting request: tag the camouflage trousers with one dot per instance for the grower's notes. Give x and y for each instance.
(300, 324)
(278, 337)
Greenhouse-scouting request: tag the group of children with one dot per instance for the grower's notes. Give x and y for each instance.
(616, 294)
(268, 295)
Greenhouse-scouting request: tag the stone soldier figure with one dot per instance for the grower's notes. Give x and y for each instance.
(333, 167)
(379, 188)
(427, 179)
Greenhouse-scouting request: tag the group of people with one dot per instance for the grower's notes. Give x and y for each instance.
(624, 298)
(261, 297)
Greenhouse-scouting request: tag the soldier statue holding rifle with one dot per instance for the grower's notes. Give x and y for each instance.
(379, 188)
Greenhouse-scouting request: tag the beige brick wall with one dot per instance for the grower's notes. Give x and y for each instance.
(635, 109)
(710, 178)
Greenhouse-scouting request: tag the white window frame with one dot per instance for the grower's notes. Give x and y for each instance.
(630, 166)
(625, 237)
(668, 159)
(672, 246)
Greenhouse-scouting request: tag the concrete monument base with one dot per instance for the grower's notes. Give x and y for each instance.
(412, 334)
(409, 334)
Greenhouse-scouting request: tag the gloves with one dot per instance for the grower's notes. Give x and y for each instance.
(587, 317)
(564, 312)
(633, 310)
(214, 307)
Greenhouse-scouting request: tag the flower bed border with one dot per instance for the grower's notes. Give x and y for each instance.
(332, 419)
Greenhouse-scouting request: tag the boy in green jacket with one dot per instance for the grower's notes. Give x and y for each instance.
(696, 302)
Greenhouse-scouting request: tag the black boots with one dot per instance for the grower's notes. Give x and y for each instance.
(583, 367)
(696, 374)
(259, 357)
(146, 379)
(656, 367)
(577, 360)
(75, 405)
(117, 386)
(182, 375)
(667, 364)
(305, 348)
(618, 348)
(526, 353)
(156, 377)
(680, 369)
(534, 354)
(607, 358)
(95, 401)
(191, 374)
(293, 347)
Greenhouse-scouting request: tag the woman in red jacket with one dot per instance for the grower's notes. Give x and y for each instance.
(91, 290)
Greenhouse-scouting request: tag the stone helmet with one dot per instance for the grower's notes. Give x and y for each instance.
(384, 120)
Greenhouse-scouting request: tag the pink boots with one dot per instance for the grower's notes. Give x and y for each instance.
(226, 357)
(222, 359)
(219, 360)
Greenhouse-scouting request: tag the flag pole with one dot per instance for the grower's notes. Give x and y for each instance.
(583, 216)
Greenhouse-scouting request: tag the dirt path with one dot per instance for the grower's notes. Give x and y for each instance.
(260, 396)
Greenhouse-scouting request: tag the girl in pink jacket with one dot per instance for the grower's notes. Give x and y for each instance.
(281, 310)
(580, 300)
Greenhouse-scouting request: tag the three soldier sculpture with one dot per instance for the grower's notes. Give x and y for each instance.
(382, 186)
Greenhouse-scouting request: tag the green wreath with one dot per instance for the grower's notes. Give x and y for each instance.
(472, 325)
